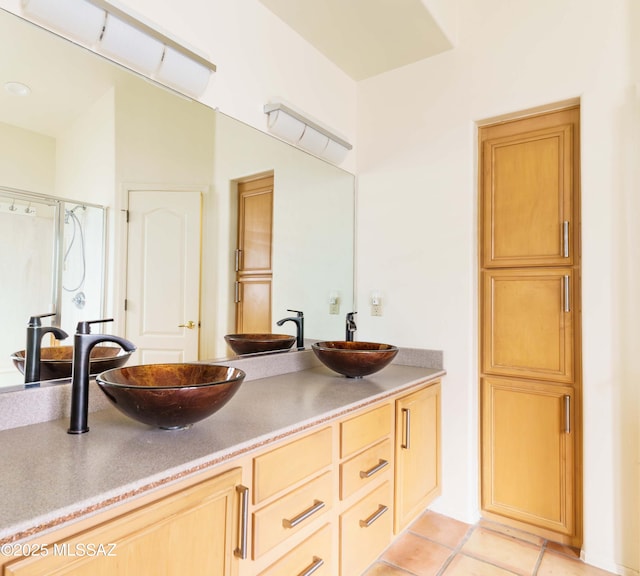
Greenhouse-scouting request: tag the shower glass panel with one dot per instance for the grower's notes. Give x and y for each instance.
(28, 253)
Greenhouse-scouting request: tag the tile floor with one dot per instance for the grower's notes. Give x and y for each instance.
(435, 545)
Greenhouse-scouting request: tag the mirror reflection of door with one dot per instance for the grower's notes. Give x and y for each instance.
(253, 256)
(163, 275)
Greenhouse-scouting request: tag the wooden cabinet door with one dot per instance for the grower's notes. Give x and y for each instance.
(528, 452)
(190, 532)
(528, 180)
(253, 256)
(417, 471)
(527, 323)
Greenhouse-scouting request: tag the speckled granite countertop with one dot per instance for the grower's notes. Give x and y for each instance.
(49, 477)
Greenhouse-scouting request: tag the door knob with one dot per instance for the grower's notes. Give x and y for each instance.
(189, 325)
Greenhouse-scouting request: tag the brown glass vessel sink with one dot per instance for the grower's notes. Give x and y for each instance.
(56, 361)
(354, 359)
(170, 396)
(256, 343)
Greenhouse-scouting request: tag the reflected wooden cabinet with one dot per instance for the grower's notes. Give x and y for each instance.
(417, 467)
(528, 452)
(527, 323)
(192, 531)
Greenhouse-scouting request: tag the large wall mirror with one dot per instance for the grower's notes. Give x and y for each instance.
(92, 133)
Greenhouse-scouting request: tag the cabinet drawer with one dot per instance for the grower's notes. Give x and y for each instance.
(365, 467)
(314, 551)
(288, 514)
(365, 530)
(284, 466)
(365, 429)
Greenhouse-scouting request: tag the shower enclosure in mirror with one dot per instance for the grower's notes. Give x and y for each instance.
(52, 260)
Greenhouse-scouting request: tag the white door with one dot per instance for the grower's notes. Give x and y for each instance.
(163, 275)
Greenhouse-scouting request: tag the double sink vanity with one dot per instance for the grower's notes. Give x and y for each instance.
(303, 471)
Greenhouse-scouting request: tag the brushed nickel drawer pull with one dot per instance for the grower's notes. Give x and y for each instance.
(236, 296)
(565, 239)
(567, 414)
(317, 505)
(407, 429)
(241, 550)
(379, 512)
(567, 294)
(317, 563)
(238, 259)
(379, 466)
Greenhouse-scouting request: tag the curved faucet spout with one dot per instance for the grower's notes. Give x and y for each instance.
(83, 343)
(298, 320)
(35, 332)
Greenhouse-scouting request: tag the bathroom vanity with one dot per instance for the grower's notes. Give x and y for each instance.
(302, 472)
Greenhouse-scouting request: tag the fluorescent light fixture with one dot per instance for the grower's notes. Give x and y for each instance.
(182, 72)
(108, 29)
(129, 45)
(294, 127)
(79, 20)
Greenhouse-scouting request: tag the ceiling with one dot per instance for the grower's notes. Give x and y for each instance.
(365, 37)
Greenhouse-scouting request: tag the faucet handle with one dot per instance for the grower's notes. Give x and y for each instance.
(298, 312)
(34, 321)
(84, 327)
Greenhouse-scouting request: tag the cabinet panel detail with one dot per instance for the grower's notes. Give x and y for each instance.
(528, 452)
(291, 463)
(282, 518)
(357, 433)
(367, 466)
(365, 530)
(528, 323)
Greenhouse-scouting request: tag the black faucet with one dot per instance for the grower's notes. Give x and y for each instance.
(83, 343)
(351, 326)
(298, 319)
(35, 332)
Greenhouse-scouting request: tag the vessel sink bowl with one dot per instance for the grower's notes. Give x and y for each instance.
(255, 343)
(170, 396)
(354, 359)
(56, 361)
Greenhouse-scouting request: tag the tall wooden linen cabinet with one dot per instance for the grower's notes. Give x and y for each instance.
(530, 364)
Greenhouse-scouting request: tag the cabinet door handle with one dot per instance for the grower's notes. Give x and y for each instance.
(379, 512)
(238, 251)
(236, 295)
(241, 550)
(567, 414)
(317, 562)
(317, 505)
(567, 294)
(379, 466)
(565, 239)
(406, 414)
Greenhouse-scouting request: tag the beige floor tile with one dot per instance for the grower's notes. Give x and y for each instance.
(417, 555)
(562, 549)
(557, 565)
(440, 529)
(515, 555)
(380, 569)
(463, 565)
(513, 532)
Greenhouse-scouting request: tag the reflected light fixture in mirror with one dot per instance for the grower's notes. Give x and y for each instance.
(107, 29)
(294, 127)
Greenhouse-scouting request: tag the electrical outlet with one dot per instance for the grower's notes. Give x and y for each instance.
(376, 309)
(334, 307)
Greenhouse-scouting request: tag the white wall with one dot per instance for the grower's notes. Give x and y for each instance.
(418, 218)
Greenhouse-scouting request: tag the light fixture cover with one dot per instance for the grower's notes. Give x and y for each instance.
(77, 19)
(313, 141)
(285, 126)
(131, 46)
(335, 152)
(181, 72)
